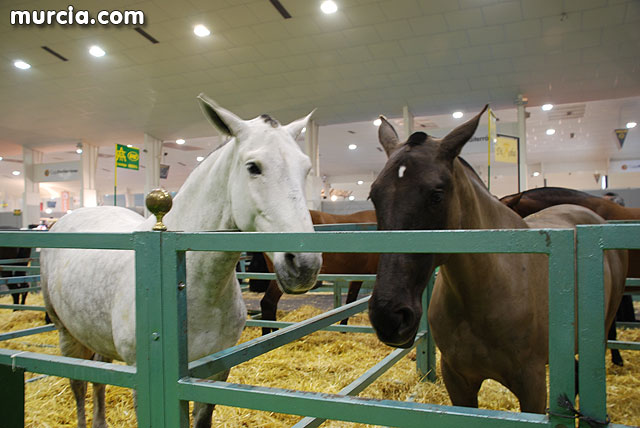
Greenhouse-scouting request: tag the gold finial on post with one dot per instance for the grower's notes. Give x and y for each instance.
(159, 202)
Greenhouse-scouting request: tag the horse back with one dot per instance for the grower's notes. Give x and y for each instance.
(99, 219)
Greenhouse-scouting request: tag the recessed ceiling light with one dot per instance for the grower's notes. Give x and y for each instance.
(377, 122)
(15, 173)
(535, 173)
(334, 198)
(200, 158)
(360, 182)
(21, 64)
(551, 131)
(631, 125)
(96, 51)
(352, 198)
(201, 31)
(352, 146)
(180, 141)
(329, 7)
(457, 115)
(48, 210)
(547, 107)
(1, 158)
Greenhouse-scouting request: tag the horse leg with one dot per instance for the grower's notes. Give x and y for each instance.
(202, 412)
(99, 418)
(616, 358)
(531, 389)
(269, 305)
(352, 296)
(24, 295)
(462, 390)
(15, 296)
(70, 347)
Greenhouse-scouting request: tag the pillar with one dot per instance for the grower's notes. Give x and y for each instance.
(89, 166)
(523, 174)
(153, 157)
(31, 194)
(407, 117)
(314, 182)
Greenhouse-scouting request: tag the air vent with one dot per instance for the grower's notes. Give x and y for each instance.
(575, 111)
(146, 35)
(54, 53)
(182, 147)
(424, 124)
(351, 132)
(280, 8)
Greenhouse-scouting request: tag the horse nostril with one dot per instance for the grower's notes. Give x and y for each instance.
(290, 258)
(406, 316)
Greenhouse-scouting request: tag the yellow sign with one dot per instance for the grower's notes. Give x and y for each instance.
(506, 149)
(127, 157)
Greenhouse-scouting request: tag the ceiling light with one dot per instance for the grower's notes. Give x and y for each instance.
(180, 141)
(96, 51)
(631, 125)
(200, 158)
(547, 107)
(551, 131)
(334, 198)
(16, 173)
(377, 122)
(48, 210)
(1, 158)
(329, 7)
(21, 64)
(535, 173)
(360, 182)
(352, 146)
(201, 31)
(352, 198)
(457, 115)
(79, 148)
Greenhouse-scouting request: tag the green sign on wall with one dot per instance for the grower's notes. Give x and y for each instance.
(127, 157)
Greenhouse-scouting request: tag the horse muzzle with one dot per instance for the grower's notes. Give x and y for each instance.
(394, 327)
(296, 273)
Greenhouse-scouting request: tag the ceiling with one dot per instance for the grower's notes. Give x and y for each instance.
(371, 57)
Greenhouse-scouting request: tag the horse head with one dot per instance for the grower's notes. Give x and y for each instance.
(414, 191)
(266, 183)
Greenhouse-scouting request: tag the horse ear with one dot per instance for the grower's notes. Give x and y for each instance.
(296, 127)
(451, 145)
(512, 200)
(225, 121)
(388, 136)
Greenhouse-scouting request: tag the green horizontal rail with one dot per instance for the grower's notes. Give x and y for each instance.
(359, 385)
(20, 290)
(343, 227)
(352, 409)
(27, 332)
(24, 308)
(106, 241)
(14, 268)
(321, 277)
(449, 241)
(339, 328)
(619, 344)
(73, 368)
(633, 282)
(623, 324)
(12, 261)
(223, 360)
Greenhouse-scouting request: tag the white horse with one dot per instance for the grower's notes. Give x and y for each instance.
(255, 182)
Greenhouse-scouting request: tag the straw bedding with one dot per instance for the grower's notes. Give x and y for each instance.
(323, 362)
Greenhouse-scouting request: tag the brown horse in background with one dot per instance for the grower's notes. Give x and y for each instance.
(533, 200)
(489, 313)
(332, 263)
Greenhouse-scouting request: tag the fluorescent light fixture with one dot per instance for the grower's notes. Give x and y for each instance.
(201, 31)
(457, 114)
(551, 131)
(535, 173)
(547, 107)
(21, 64)
(180, 141)
(360, 182)
(377, 122)
(352, 146)
(96, 51)
(603, 182)
(329, 7)
(48, 210)
(631, 125)
(16, 173)
(200, 158)
(352, 198)
(334, 198)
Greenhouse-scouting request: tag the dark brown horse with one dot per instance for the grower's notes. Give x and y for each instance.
(488, 312)
(533, 200)
(7, 253)
(332, 263)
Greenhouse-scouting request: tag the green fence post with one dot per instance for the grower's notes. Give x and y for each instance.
(149, 330)
(426, 350)
(591, 334)
(12, 396)
(561, 326)
(337, 292)
(174, 316)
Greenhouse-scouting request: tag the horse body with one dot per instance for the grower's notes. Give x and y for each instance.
(15, 253)
(488, 312)
(254, 182)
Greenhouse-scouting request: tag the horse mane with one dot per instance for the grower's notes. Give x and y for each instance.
(468, 166)
(558, 192)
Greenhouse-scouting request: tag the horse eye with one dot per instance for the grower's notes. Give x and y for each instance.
(437, 196)
(253, 168)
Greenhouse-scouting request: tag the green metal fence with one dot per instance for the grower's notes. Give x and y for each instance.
(165, 381)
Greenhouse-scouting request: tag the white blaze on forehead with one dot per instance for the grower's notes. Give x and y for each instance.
(401, 171)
